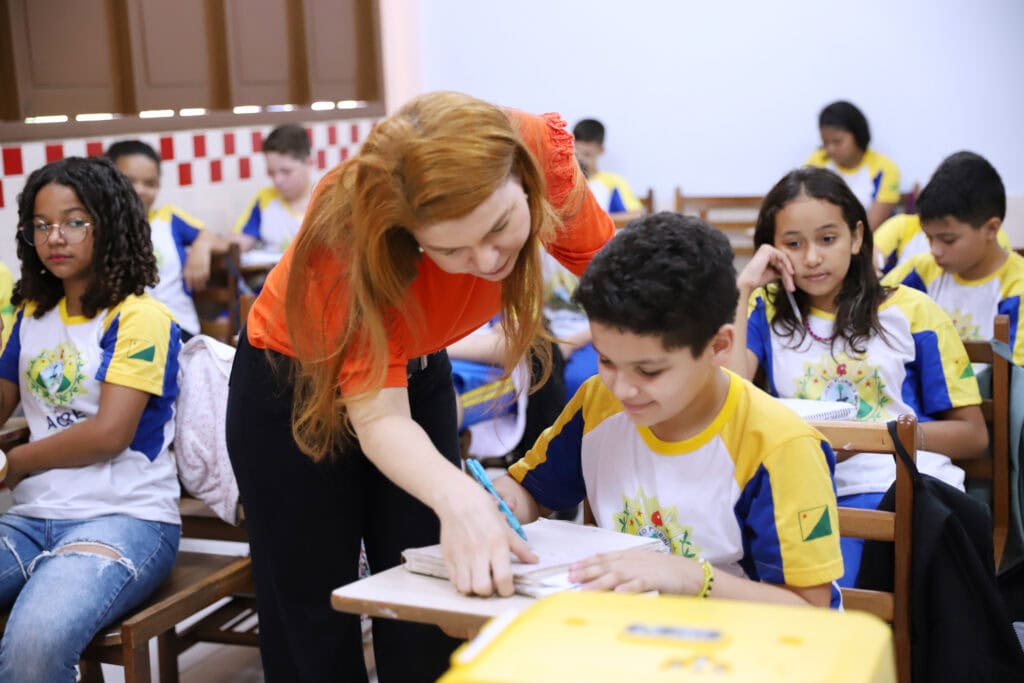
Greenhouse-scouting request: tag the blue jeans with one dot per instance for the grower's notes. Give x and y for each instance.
(62, 599)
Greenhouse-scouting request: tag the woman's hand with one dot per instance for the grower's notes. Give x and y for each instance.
(767, 265)
(638, 571)
(476, 541)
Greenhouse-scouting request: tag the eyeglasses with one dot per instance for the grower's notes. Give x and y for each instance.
(72, 231)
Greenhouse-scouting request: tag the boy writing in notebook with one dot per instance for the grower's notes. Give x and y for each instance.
(666, 442)
(967, 271)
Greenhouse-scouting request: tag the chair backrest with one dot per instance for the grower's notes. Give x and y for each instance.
(849, 438)
(217, 304)
(996, 409)
(908, 200)
(647, 201)
(735, 215)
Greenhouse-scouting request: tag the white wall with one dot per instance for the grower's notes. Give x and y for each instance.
(722, 97)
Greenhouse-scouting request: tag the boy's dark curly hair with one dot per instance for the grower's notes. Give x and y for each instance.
(667, 275)
(122, 253)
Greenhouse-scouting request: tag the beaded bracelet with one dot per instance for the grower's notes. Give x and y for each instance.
(709, 578)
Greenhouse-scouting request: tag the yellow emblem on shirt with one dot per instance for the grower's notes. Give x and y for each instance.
(643, 516)
(55, 376)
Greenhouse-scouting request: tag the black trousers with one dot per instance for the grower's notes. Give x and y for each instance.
(305, 522)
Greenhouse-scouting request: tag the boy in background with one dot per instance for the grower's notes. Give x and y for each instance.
(668, 443)
(611, 190)
(274, 215)
(182, 247)
(967, 271)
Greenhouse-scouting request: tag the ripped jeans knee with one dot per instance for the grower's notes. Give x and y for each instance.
(76, 577)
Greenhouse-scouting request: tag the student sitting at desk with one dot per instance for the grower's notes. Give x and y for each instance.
(874, 178)
(967, 272)
(667, 443)
(93, 361)
(275, 213)
(839, 335)
(611, 191)
(182, 247)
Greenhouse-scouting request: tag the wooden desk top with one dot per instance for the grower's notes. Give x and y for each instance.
(400, 594)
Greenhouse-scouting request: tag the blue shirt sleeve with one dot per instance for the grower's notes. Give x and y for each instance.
(12, 350)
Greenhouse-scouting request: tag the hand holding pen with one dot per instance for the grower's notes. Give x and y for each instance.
(477, 470)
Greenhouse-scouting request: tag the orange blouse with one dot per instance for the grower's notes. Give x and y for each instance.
(452, 305)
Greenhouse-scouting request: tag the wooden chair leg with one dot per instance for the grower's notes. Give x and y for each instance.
(92, 672)
(167, 656)
(136, 664)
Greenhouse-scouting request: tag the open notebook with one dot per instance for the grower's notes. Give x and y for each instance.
(820, 410)
(558, 544)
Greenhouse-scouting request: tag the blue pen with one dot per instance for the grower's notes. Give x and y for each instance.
(477, 470)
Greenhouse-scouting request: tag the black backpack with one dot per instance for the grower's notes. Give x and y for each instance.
(960, 629)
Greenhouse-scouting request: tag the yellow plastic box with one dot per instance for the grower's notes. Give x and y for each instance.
(598, 637)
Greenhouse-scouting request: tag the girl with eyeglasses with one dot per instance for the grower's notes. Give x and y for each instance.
(92, 359)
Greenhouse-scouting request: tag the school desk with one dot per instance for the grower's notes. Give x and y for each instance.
(399, 594)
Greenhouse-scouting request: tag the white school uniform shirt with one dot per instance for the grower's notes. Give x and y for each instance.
(173, 230)
(59, 362)
(920, 368)
(270, 219)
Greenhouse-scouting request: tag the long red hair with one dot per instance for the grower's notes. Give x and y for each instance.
(436, 159)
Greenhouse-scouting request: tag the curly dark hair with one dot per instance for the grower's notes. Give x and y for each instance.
(861, 293)
(667, 275)
(122, 254)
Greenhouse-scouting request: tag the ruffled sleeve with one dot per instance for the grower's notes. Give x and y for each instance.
(586, 226)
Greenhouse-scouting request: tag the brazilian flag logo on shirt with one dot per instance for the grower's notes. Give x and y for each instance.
(55, 375)
(815, 523)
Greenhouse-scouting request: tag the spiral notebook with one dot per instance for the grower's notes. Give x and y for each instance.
(557, 543)
(820, 410)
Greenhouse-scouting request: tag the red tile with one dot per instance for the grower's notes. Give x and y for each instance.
(332, 135)
(1, 194)
(344, 153)
(167, 148)
(94, 148)
(185, 174)
(257, 141)
(229, 143)
(309, 134)
(199, 145)
(216, 171)
(54, 152)
(244, 171)
(12, 161)
(321, 159)
(355, 133)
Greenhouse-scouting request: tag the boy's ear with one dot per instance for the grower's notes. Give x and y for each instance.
(721, 344)
(991, 227)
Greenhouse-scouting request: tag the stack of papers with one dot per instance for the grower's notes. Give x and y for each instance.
(558, 544)
(820, 410)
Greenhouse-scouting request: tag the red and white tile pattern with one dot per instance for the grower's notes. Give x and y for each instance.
(227, 160)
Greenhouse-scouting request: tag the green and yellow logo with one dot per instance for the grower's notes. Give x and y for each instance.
(55, 376)
(815, 523)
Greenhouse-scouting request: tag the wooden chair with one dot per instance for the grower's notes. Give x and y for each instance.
(848, 438)
(647, 201)
(217, 304)
(995, 470)
(197, 581)
(908, 200)
(738, 230)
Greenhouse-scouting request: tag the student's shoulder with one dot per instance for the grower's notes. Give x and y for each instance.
(766, 420)
(170, 212)
(596, 403)
(141, 309)
(902, 226)
(923, 266)
(818, 158)
(877, 160)
(1012, 273)
(921, 310)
